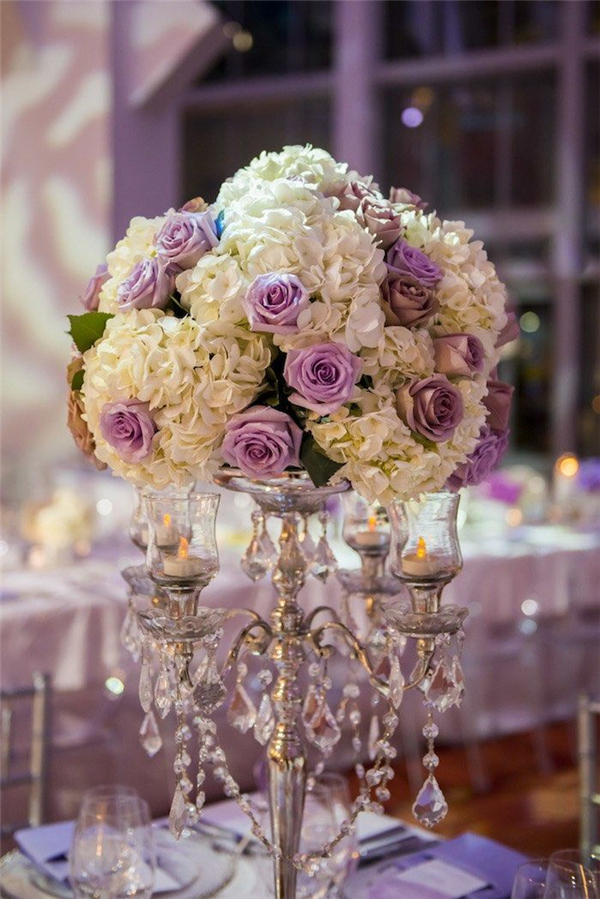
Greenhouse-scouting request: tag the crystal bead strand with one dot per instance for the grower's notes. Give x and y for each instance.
(182, 809)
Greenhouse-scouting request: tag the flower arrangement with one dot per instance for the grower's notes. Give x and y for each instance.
(302, 320)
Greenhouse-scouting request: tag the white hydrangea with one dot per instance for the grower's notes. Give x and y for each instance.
(194, 379)
(138, 244)
(306, 163)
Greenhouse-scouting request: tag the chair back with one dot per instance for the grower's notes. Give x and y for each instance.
(36, 776)
(589, 781)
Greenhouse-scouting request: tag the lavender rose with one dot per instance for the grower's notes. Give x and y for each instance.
(431, 407)
(378, 217)
(262, 441)
(407, 302)
(482, 461)
(274, 302)
(128, 426)
(323, 376)
(90, 298)
(402, 259)
(509, 332)
(185, 237)
(458, 354)
(406, 198)
(497, 402)
(148, 286)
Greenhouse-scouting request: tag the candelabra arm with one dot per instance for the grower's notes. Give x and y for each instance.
(257, 645)
(355, 645)
(310, 618)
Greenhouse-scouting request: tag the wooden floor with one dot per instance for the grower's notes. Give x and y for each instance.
(523, 806)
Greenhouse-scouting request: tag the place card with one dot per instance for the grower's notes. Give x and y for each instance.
(434, 879)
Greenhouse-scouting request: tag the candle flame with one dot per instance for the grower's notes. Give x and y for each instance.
(167, 520)
(372, 522)
(421, 549)
(182, 552)
(567, 465)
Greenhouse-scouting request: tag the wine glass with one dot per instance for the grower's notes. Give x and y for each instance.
(112, 856)
(530, 879)
(569, 876)
(326, 806)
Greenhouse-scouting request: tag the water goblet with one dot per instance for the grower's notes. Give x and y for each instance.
(569, 878)
(112, 855)
(530, 879)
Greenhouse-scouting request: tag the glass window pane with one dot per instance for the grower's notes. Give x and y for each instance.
(217, 144)
(474, 145)
(271, 37)
(589, 387)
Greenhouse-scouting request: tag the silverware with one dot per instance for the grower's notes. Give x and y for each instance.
(396, 848)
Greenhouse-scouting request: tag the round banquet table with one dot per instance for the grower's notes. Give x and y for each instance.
(532, 640)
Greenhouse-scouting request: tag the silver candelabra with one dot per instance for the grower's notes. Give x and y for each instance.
(177, 640)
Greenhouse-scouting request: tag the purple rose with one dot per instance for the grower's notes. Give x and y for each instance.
(147, 287)
(510, 331)
(406, 198)
(90, 298)
(482, 461)
(402, 259)
(262, 441)
(185, 237)
(458, 354)
(497, 402)
(352, 194)
(274, 302)
(128, 426)
(431, 407)
(407, 302)
(379, 219)
(323, 376)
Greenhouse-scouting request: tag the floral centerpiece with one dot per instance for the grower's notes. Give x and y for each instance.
(301, 320)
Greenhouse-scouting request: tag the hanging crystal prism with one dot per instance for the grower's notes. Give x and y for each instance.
(324, 563)
(178, 813)
(150, 735)
(312, 705)
(306, 542)
(430, 806)
(130, 634)
(265, 721)
(267, 548)
(241, 713)
(441, 689)
(162, 693)
(145, 688)
(373, 736)
(396, 682)
(255, 562)
(324, 731)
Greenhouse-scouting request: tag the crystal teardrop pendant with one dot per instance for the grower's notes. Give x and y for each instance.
(324, 731)
(130, 635)
(312, 705)
(178, 814)
(441, 689)
(253, 563)
(145, 688)
(150, 735)
(265, 722)
(430, 806)
(396, 682)
(324, 562)
(162, 695)
(373, 736)
(241, 713)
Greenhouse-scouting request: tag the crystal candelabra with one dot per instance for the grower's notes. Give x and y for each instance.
(177, 640)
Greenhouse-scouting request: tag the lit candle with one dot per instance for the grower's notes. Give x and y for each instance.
(372, 538)
(166, 533)
(565, 471)
(182, 565)
(421, 563)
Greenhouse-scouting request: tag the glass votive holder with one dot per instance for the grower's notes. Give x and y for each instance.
(182, 550)
(138, 525)
(425, 545)
(366, 526)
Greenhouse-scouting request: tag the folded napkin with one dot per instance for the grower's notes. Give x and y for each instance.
(48, 848)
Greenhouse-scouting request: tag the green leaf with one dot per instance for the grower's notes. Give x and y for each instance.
(319, 466)
(77, 382)
(86, 329)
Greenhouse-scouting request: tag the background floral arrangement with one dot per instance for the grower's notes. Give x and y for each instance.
(302, 320)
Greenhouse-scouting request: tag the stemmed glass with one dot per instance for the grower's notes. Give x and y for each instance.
(112, 856)
(571, 875)
(326, 806)
(530, 880)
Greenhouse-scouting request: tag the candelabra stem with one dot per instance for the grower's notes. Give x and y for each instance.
(286, 754)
